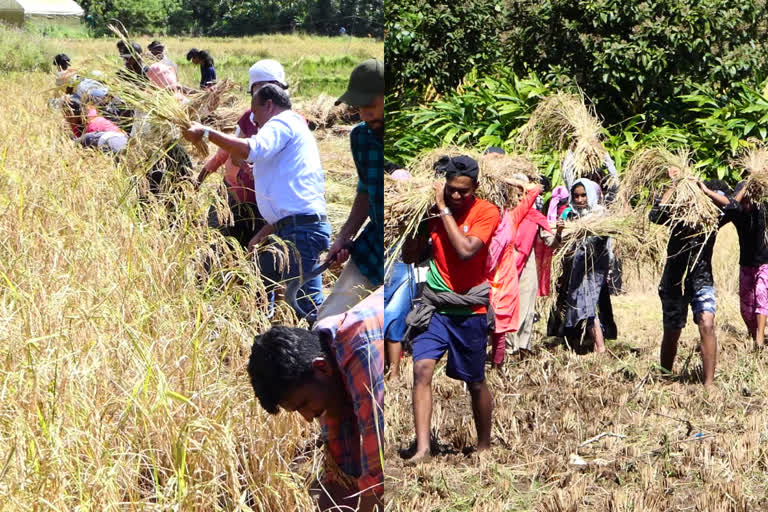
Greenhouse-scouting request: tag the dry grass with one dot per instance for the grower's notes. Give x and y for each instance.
(755, 162)
(647, 177)
(563, 121)
(123, 377)
(547, 406)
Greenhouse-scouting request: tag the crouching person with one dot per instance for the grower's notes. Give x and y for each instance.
(334, 373)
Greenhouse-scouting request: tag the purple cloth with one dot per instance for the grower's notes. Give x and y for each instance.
(558, 194)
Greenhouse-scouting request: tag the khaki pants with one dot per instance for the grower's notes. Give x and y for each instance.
(351, 288)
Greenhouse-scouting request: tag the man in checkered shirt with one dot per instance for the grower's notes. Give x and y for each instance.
(334, 373)
(365, 270)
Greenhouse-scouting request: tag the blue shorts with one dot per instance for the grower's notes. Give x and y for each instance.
(399, 292)
(675, 309)
(464, 338)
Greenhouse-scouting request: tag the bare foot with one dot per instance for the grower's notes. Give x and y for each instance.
(418, 458)
(600, 349)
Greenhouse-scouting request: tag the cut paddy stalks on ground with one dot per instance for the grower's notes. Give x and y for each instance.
(563, 121)
(647, 177)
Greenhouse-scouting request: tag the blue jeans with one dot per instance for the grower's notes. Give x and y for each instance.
(310, 240)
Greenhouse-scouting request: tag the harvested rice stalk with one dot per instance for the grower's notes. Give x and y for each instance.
(321, 112)
(564, 122)
(634, 238)
(647, 176)
(755, 162)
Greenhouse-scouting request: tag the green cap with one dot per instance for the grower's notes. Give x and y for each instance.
(365, 83)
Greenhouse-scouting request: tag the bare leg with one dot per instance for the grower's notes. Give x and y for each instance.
(482, 407)
(597, 335)
(706, 324)
(422, 405)
(760, 334)
(394, 351)
(669, 348)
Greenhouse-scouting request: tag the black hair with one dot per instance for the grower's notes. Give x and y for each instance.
(73, 104)
(546, 183)
(461, 165)
(121, 46)
(273, 92)
(62, 61)
(281, 360)
(203, 55)
(719, 186)
(156, 45)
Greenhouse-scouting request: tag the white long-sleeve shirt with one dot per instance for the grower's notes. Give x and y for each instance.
(287, 174)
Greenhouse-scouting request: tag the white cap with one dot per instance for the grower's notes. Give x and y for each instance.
(266, 70)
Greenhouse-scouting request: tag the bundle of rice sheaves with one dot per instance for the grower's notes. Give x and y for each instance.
(321, 113)
(563, 122)
(634, 238)
(406, 202)
(755, 162)
(648, 176)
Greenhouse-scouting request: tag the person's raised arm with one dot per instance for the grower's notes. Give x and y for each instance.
(235, 146)
(526, 203)
(720, 200)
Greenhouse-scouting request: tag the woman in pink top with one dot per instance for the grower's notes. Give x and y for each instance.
(501, 266)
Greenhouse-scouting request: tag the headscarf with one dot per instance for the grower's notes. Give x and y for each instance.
(461, 165)
(593, 196)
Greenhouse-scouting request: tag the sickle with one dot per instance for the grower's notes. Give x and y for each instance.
(293, 285)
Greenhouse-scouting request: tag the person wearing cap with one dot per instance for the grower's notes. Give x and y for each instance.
(364, 271)
(238, 176)
(157, 49)
(453, 313)
(289, 185)
(135, 71)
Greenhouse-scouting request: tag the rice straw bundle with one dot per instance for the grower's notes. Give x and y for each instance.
(648, 171)
(564, 122)
(634, 238)
(205, 102)
(321, 112)
(755, 162)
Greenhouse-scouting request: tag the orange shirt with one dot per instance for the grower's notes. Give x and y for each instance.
(479, 221)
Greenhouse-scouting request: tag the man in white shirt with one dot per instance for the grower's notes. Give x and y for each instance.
(289, 182)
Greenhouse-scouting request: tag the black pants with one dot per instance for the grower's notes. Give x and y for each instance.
(247, 221)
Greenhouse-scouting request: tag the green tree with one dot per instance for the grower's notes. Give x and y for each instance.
(437, 43)
(634, 57)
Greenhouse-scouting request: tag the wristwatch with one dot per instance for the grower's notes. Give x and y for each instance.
(445, 211)
(206, 134)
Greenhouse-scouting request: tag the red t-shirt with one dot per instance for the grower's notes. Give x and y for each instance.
(479, 221)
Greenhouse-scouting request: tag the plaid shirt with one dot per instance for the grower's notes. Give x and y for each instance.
(355, 439)
(368, 250)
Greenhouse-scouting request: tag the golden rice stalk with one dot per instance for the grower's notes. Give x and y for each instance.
(647, 177)
(755, 161)
(563, 121)
(203, 103)
(634, 238)
(321, 113)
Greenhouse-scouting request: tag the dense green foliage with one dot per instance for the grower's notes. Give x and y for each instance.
(490, 110)
(682, 72)
(638, 57)
(236, 18)
(22, 51)
(437, 43)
